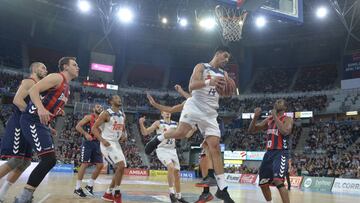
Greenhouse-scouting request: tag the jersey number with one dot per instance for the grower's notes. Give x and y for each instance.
(212, 91)
(269, 143)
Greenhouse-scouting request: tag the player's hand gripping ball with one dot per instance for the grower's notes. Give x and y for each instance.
(228, 89)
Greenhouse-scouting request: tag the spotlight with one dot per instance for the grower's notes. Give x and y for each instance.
(260, 21)
(125, 15)
(183, 22)
(321, 12)
(84, 6)
(207, 23)
(164, 20)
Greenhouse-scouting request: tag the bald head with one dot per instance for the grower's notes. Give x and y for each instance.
(38, 69)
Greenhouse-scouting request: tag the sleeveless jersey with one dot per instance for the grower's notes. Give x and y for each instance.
(113, 129)
(167, 143)
(274, 139)
(26, 99)
(208, 96)
(89, 125)
(53, 99)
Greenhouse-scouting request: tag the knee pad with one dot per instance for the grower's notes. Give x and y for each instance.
(23, 166)
(281, 185)
(47, 162)
(14, 163)
(49, 159)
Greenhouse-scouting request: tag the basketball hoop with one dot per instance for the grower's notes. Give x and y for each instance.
(231, 21)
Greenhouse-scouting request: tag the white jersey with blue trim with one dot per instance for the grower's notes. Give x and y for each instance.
(207, 97)
(164, 126)
(113, 130)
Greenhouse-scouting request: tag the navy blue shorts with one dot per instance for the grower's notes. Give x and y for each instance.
(274, 166)
(13, 144)
(36, 134)
(90, 152)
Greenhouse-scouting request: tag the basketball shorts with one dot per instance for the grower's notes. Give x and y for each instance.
(36, 134)
(274, 166)
(168, 155)
(13, 144)
(113, 153)
(206, 122)
(90, 152)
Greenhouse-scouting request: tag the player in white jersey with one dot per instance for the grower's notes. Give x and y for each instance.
(109, 129)
(201, 109)
(166, 152)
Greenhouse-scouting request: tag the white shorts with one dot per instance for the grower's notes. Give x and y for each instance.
(168, 155)
(205, 121)
(113, 153)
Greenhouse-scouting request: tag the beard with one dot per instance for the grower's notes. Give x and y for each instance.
(39, 76)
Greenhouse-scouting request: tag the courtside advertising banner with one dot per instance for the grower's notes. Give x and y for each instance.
(65, 168)
(155, 173)
(235, 155)
(255, 156)
(232, 177)
(187, 174)
(346, 186)
(317, 184)
(136, 172)
(295, 181)
(248, 178)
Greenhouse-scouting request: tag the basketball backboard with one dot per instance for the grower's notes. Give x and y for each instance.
(285, 9)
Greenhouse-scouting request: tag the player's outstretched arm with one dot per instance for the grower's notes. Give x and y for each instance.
(21, 93)
(95, 130)
(169, 109)
(254, 126)
(183, 93)
(146, 131)
(80, 125)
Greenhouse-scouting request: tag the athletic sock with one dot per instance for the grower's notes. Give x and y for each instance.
(91, 182)
(178, 195)
(117, 189)
(220, 179)
(78, 184)
(171, 190)
(4, 188)
(109, 190)
(161, 137)
(25, 195)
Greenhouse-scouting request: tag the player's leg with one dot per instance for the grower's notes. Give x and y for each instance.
(265, 177)
(180, 132)
(78, 190)
(280, 168)
(288, 180)
(119, 172)
(207, 170)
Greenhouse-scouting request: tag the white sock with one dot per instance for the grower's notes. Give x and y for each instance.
(91, 182)
(220, 179)
(117, 187)
(161, 137)
(109, 190)
(4, 188)
(178, 195)
(78, 184)
(171, 190)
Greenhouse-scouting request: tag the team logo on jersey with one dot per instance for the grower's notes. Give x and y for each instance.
(117, 126)
(63, 98)
(273, 131)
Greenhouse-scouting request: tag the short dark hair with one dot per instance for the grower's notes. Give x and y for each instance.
(65, 61)
(222, 48)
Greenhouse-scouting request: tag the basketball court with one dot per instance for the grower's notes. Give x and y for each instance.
(59, 187)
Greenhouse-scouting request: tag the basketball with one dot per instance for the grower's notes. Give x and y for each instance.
(229, 89)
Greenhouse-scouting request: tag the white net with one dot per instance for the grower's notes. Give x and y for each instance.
(231, 21)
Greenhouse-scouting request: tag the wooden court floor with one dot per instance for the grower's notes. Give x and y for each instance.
(59, 187)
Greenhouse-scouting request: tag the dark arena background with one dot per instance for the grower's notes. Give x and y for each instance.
(306, 52)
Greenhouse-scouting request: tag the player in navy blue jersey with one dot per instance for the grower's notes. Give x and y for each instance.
(48, 98)
(275, 164)
(90, 152)
(13, 145)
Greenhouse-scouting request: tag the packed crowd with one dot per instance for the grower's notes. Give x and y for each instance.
(242, 169)
(274, 80)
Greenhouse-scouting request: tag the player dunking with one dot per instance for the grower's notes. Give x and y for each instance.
(166, 152)
(201, 109)
(109, 129)
(34, 121)
(14, 145)
(90, 152)
(275, 164)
